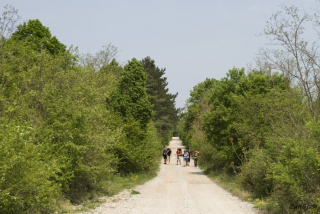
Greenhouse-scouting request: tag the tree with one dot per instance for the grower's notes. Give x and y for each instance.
(113, 68)
(165, 114)
(101, 59)
(297, 58)
(130, 104)
(37, 36)
(130, 98)
(7, 22)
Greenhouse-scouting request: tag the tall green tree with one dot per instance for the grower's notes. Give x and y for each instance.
(130, 98)
(133, 109)
(165, 114)
(39, 37)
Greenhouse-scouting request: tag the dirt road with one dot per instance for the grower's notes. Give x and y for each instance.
(176, 189)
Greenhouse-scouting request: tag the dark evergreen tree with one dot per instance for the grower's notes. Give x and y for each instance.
(166, 114)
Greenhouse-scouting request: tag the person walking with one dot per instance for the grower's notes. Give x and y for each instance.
(178, 153)
(185, 158)
(189, 154)
(195, 158)
(168, 154)
(164, 153)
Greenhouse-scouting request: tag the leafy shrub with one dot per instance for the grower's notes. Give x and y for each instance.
(254, 172)
(296, 173)
(26, 184)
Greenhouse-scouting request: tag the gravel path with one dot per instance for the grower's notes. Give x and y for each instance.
(176, 189)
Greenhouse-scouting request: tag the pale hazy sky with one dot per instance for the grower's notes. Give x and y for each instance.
(192, 39)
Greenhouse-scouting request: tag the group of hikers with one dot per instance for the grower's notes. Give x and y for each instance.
(186, 156)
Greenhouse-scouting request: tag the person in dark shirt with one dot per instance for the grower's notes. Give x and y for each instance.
(168, 154)
(165, 153)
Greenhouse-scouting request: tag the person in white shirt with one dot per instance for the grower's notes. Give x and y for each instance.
(185, 157)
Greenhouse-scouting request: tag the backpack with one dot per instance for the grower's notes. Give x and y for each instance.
(165, 152)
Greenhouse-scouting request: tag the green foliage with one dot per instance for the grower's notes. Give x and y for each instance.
(130, 98)
(103, 60)
(260, 130)
(26, 184)
(296, 173)
(113, 68)
(53, 116)
(254, 173)
(78, 122)
(68, 111)
(165, 114)
(133, 111)
(34, 34)
(58, 141)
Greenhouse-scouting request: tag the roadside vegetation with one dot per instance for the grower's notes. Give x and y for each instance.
(258, 130)
(74, 126)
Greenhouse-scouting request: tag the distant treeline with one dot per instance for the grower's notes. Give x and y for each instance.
(69, 122)
(263, 125)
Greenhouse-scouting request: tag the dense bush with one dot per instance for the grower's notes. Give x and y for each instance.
(26, 184)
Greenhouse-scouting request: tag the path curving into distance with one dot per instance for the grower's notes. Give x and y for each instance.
(176, 189)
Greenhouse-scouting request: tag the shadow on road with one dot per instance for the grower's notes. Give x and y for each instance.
(197, 173)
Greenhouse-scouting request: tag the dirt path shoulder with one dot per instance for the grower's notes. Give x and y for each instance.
(176, 189)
